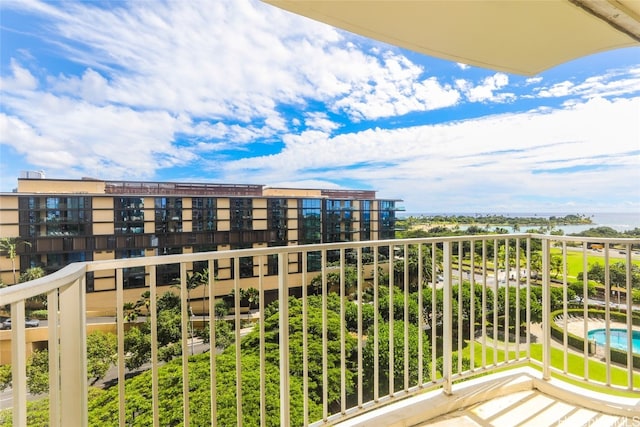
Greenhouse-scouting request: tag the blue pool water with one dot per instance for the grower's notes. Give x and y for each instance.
(618, 338)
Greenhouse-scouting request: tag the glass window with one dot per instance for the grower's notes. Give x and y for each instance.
(365, 220)
(277, 220)
(168, 274)
(203, 214)
(168, 215)
(310, 225)
(133, 277)
(338, 221)
(54, 216)
(387, 219)
(128, 215)
(241, 214)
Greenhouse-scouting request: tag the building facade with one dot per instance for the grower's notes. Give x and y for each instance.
(64, 221)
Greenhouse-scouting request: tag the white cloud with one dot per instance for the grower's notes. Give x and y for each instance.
(497, 162)
(78, 138)
(195, 83)
(20, 79)
(320, 121)
(559, 89)
(91, 86)
(614, 83)
(533, 80)
(486, 91)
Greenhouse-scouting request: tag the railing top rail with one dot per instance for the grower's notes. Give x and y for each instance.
(74, 271)
(58, 279)
(204, 256)
(614, 240)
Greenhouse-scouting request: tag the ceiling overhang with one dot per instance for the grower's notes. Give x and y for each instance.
(522, 37)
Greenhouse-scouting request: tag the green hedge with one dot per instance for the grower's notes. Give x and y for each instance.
(618, 356)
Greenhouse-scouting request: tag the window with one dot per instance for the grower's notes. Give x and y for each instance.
(168, 215)
(128, 215)
(314, 261)
(241, 214)
(387, 219)
(246, 263)
(56, 261)
(203, 214)
(54, 216)
(168, 274)
(200, 266)
(133, 277)
(277, 220)
(365, 220)
(338, 223)
(310, 221)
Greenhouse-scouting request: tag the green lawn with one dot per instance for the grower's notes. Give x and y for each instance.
(575, 263)
(597, 370)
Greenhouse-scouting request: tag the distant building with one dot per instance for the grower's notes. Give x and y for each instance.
(65, 221)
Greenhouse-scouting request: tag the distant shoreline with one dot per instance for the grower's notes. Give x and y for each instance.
(499, 220)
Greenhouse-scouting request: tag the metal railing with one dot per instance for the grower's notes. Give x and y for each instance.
(378, 321)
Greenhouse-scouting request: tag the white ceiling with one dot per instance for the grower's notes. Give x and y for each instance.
(517, 36)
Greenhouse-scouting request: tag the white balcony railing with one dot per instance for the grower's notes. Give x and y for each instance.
(373, 359)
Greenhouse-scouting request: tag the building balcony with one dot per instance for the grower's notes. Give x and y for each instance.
(474, 329)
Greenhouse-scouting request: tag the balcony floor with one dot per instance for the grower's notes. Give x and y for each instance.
(526, 408)
(516, 397)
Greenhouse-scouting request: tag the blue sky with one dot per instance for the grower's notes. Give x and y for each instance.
(238, 91)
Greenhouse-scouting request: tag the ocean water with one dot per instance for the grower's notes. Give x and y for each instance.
(618, 221)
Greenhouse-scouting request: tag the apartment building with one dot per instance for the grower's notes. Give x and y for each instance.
(63, 221)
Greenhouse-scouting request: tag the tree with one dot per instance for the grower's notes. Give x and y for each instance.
(535, 262)
(102, 352)
(333, 281)
(131, 311)
(168, 301)
(617, 274)
(38, 372)
(9, 247)
(137, 345)
(250, 345)
(578, 288)
(224, 334)
(556, 264)
(32, 273)
(103, 408)
(220, 309)
(252, 296)
(137, 339)
(193, 280)
(5, 377)
(398, 360)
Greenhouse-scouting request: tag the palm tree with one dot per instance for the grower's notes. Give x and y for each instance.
(204, 275)
(193, 280)
(8, 246)
(33, 273)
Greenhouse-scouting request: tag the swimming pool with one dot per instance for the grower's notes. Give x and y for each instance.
(618, 338)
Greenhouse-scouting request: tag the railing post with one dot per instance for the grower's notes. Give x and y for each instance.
(546, 309)
(447, 321)
(19, 363)
(283, 324)
(73, 355)
(55, 392)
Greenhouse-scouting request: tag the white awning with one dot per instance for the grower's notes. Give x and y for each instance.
(516, 36)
